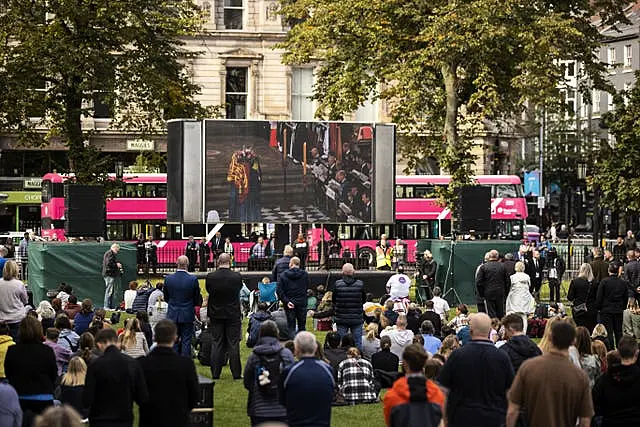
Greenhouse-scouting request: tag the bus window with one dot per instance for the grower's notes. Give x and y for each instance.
(399, 192)
(509, 191)
(424, 192)
(408, 192)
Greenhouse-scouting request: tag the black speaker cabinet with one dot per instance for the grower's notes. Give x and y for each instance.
(84, 210)
(202, 415)
(474, 209)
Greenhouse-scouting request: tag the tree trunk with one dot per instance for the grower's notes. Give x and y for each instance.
(451, 119)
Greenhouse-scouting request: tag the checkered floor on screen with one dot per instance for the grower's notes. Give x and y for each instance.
(295, 214)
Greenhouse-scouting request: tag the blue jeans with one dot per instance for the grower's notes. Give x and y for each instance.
(109, 283)
(355, 330)
(185, 333)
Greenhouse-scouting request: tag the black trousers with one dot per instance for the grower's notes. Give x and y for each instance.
(299, 315)
(225, 336)
(613, 323)
(495, 307)
(554, 290)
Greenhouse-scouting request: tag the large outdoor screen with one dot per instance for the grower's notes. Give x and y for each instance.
(282, 172)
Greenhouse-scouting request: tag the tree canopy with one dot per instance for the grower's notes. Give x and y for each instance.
(615, 173)
(56, 55)
(445, 67)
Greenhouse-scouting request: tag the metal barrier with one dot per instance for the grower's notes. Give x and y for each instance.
(244, 262)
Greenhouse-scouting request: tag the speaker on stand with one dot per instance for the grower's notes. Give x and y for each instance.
(473, 213)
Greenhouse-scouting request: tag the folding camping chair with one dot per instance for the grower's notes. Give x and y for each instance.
(267, 293)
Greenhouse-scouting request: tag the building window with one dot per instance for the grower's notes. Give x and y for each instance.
(571, 101)
(571, 69)
(596, 101)
(301, 92)
(236, 92)
(611, 57)
(610, 106)
(101, 107)
(233, 14)
(628, 56)
(37, 105)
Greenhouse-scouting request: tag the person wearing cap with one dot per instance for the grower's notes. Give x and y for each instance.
(426, 275)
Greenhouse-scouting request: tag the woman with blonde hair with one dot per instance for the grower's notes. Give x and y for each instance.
(449, 344)
(72, 386)
(46, 314)
(546, 346)
(582, 294)
(370, 342)
(13, 298)
(520, 301)
(133, 341)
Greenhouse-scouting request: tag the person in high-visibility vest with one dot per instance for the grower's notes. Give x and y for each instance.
(383, 254)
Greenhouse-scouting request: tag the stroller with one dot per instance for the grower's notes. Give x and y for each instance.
(266, 292)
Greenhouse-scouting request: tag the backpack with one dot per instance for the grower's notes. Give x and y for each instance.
(268, 372)
(542, 311)
(204, 354)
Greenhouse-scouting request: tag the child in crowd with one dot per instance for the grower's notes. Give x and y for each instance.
(461, 320)
(599, 349)
(495, 326)
(600, 334)
(132, 340)
(255, 321)
(46, 315)
(432, 368)
(63, 355)
(130, 296)
(324, 313)
(72, 386)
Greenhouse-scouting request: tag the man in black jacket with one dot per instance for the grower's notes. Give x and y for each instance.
(519, 346)
(430, 315)
(493, 284)
(611, 301)
(349, 296)
(223, 309)
(533, 267)
(292, 290)
(282, 264)
(110, 271)
(171, 379)
(599, 266)
(632, 273)
(615, 394)
(114, 381)
(426, 275)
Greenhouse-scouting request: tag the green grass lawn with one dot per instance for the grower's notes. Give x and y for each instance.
(230, 397)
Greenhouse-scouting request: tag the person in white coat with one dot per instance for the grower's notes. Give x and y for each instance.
(520, 300)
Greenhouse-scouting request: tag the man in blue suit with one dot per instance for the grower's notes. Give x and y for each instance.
(182, 293)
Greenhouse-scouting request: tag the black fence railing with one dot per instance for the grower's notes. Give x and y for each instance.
(361, 260)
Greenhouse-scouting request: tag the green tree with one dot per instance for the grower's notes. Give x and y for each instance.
(616, 174)
(444, 67)
(55, 55)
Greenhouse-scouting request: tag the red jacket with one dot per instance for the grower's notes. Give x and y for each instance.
(399, 394)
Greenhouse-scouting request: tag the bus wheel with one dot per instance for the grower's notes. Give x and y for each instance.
(366, 256)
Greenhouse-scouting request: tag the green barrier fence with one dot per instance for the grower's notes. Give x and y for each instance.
(457, 264)
(78, 264)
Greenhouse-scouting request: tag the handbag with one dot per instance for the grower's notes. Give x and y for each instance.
(580, 308)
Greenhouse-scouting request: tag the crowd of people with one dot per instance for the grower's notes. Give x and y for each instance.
(425, 364)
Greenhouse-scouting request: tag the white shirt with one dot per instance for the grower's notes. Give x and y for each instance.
(398, 286)
(440, 306)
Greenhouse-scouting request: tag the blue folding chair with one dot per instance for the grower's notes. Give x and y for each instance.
(267, 293)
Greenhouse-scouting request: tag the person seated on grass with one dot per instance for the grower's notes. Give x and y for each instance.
(333, 351)
(83, 318)
(63, 355)
(87, 348)
(385, 364)
(431, 343)
(68, 339)
(130, 295)
(145, 327)
(355, 379)
(132, 341)
(72, 386)
(141, 300)
(262, 374)
(255, 321)
(59, 416)
(72, 308)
